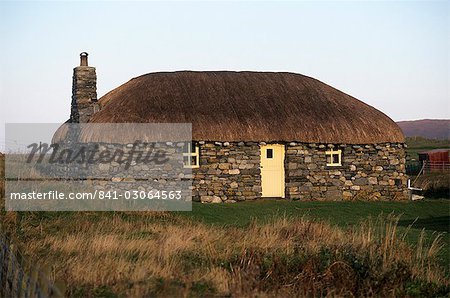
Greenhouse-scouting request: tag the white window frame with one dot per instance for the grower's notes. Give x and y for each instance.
(189, 153)
(331, 153)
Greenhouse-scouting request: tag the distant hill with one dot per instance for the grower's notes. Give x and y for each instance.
(426, 128)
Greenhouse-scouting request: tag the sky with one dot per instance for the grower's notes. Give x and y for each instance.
(391, 55)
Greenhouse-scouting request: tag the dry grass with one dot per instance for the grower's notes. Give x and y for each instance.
(434, 181)
(2, 175)
(165, 255)
(434, 184)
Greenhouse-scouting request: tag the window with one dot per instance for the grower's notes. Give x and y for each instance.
(333, 158)
(269, 153)
(191, 158)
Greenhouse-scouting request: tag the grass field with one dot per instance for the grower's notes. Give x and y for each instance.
(431, 215)
(265, 248)
(418, 144)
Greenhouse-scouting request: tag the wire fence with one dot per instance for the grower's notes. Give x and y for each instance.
(426, 167)
(18, 281)
(436, 166)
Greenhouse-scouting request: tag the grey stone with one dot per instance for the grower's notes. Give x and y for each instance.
(360, 181)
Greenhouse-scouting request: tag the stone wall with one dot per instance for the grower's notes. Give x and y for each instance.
(108, 177)
(118, 167)
(367, 172)
(84, 94)
(228, 172)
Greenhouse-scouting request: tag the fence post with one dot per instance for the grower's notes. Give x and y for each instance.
(43, 282)
(19, 278)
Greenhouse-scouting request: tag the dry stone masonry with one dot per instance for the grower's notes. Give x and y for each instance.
(84, 93)
(230, 172)
(367, 172)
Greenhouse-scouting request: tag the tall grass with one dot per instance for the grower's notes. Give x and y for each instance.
(163, 254)
(2, 175)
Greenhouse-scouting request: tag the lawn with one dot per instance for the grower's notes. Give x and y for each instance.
(431, 215)
(340, 213)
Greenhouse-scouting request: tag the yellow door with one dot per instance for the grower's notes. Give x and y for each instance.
(272, 170)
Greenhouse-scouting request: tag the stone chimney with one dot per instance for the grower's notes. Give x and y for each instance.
(84, 91)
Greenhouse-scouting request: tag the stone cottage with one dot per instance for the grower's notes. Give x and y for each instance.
(260, 134)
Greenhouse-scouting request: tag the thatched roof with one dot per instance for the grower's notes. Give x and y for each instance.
(123, 133)
(248, 106)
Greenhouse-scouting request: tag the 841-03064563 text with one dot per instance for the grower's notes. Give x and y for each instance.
(99, 195)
